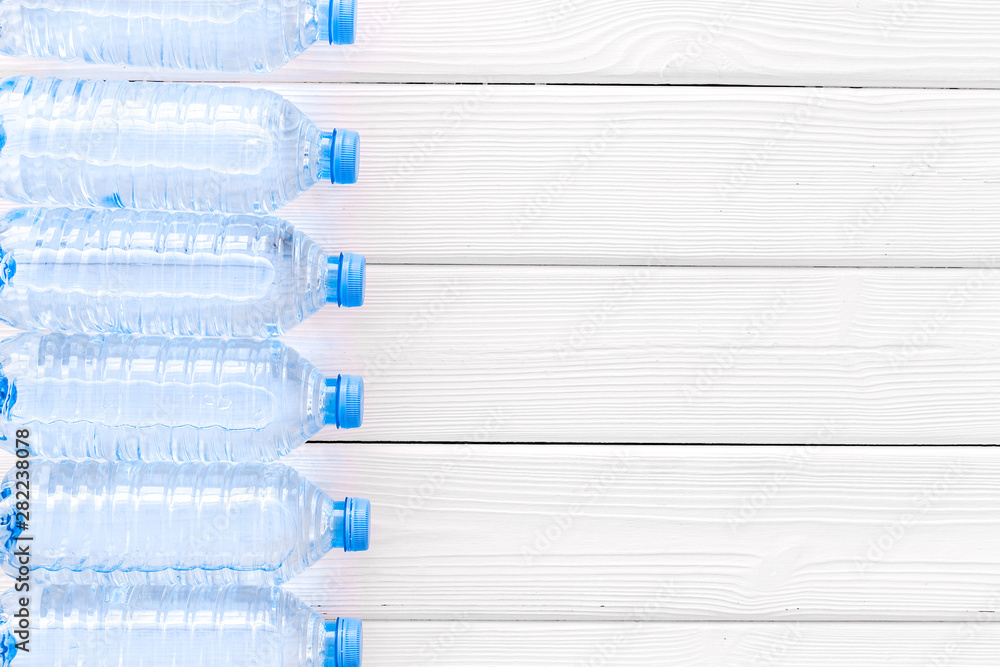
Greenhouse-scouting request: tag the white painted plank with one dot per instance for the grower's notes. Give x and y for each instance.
(462, 643)
(577, 532)
(772, 42)
(665, 176)
(675, 355)
(473, 532)
(604, 354)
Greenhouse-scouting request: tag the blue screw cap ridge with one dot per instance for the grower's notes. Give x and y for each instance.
(357, 516)
(352, 402)
(344, 158)
(352, 279)
(344, 640)
(345, 280)
(344, 401)
(342, 21)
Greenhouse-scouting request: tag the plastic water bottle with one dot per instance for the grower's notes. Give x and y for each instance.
(171, 626)
(172, 146)
(157, 398)
(127, 523)
(126, 271)
(221, 35)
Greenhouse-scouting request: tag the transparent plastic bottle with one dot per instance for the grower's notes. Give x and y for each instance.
(127, 523)
(172, 146)
(171, 626)
(201, 35)
(158, 398)
(117, 270)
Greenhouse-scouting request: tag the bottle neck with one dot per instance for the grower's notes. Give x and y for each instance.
(323, 19)
(333, 399)
(323, 164)
(335, 524)
(335, 279)
(336, 156)
(332, 652)
(347, 523)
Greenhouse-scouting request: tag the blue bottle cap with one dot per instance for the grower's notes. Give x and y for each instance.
(345, 280)
(357, 512)
(343, 643)
(8, 267)
(342, 21)
(344, 402)
(344, 157)
(8, 396)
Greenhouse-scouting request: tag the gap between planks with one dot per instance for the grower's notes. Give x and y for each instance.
(745, 42)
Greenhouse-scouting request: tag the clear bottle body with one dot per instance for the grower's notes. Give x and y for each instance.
(200, 35)
(155, 272)
(158, 398)
(155, 626)
(161, 523)
(147, 145)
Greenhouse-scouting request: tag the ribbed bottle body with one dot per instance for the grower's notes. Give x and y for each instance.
(203, 35)
(147, 145)
(158, 398)
(115, 270)
(156, 626)
(163, 523)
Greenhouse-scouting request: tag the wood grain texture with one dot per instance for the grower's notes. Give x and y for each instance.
(472, 532)
(548, 532)
(574, 644)
(675, 355)
(770, 42)
(604, 354)
(661, 176)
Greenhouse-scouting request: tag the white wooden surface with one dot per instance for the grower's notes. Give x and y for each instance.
(547, 532)
(570, 644)
(663, 176)
(747, 42)
(777, 262)
(683, 354)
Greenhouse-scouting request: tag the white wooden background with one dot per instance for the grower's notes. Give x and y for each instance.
(806, 255)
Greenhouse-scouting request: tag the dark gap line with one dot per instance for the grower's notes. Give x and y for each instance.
(681, 266)
(376, 443)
